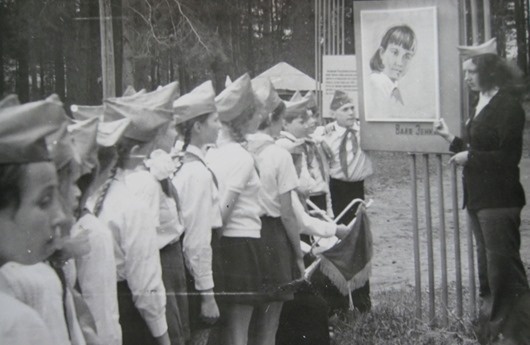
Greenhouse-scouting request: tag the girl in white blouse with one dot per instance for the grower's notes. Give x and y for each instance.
(196, 194)
(141, 293)
(280, 229)
(240, 249)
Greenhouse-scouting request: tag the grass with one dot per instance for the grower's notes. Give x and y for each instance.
(392, 321)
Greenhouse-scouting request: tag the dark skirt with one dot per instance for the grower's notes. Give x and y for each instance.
(279, 259)
(133, 327)
(174, 278)
(242, 269)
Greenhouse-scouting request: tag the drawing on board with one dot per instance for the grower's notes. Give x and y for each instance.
(400, 64)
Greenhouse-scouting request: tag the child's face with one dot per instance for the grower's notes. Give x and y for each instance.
(346, 115)
(253, 123)
(210, 128)
(297, 127)
(312, 124)
(28, 233)
(396, 60)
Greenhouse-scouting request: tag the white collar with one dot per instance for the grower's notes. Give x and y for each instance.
(260, 136)
(488, 95)
(340, 130)
(387, 85)
(288, 135)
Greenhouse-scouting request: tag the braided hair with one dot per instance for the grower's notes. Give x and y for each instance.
(104, 190)
(184, 128)
(123, 148)
(237, 126)
(269, 119)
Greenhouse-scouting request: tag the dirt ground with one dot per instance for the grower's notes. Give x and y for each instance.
(391, 220)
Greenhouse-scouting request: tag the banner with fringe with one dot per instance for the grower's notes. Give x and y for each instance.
(348, 263)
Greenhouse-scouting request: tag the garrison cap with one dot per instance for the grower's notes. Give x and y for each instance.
(24, 128)
(145, 122)
(236, 99)
(267, 99)
(198, 101)
(340, 99)
(488, 47)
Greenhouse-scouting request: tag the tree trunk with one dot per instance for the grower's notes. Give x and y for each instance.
(171, 67)
(141, 73)
(35, 37)
(58, 63)
(184, 79)
(22, 79)
(117, 29)
(93, 55)
(521, 29)
(251, 65)
(499, 26)
(107, 49)
(152, 74)
(42, 72)
(2, 33)
(34, 89)
(127, 60)
(22, 83)
(74, 87)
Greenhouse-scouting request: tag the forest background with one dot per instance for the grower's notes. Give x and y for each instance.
(53, 46)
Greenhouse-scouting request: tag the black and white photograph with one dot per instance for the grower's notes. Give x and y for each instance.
(251, 172)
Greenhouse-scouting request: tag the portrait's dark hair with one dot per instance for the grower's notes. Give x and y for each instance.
(272, 117)
(494, 71)
(401, 35)
(11, 180)
(184, 128)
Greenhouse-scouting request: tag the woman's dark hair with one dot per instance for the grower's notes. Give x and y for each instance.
(494, 71)
(184, 128)
(401, 35)
(11, 179)
(272, 117)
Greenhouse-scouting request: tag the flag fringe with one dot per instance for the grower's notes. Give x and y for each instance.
(336, 277)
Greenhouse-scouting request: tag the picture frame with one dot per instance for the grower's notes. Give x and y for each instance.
(407, 88)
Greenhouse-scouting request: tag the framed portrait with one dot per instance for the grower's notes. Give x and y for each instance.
(400, 69)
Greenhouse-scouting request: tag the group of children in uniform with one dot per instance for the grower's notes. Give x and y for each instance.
(113, 234)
